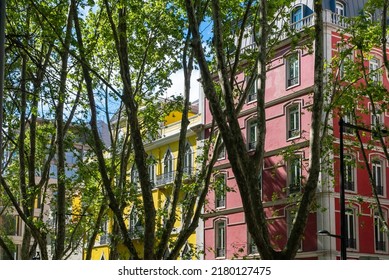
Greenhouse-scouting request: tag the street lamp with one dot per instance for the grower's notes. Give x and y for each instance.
(326, 232)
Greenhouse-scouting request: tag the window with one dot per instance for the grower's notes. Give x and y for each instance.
(11, 224)
(152, 175)
(292, 70)
(134, 175)
(252, 135)
(251, 247)
(135, 224)
(252, 91)
(53, 171)
(339, 8)
(378, 176)
(188, 161)
(293, 121)
(296, 18)
(168, 167)
(379, 234)
(220, 190)
(350, 227)
(294, 174)
(340, 12)
(348, 119)
(376, 121)
(220, 239)
(349, 172)
(222, 151)
(186, 253)
(104, 238)
(373, 70)
(345, 64)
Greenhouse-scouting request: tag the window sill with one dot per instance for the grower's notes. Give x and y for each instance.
(293, 138)
(292, 86)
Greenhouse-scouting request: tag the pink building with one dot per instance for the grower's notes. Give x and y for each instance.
(289, 87)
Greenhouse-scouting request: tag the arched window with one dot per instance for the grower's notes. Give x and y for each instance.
(378, 167)
(188, 160)
(152, 166)
(168, 167)
(296, 17)
(134, 175)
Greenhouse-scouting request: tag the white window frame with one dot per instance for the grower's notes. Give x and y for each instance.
(152, 171)
(296, 16)
(340, 8)
(252, 134)
(135, 225)
(188, 160)
(222, 152)
(292, 70)
(380, 237)
(350, 174)
(374, 65)
(252, 91)
(134, 175)
(252, 249)
(351, 229)
(293, 121)
(294, 174)
(220, 238)
(221, 194)
(168, 162)
(378, 169)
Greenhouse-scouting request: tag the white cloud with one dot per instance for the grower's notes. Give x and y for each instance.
(177, 87)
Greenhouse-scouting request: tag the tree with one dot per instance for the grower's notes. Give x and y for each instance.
(144, 64)
(247, 168)
(32, 139)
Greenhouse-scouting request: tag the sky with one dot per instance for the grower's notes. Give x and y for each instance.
(178, 84)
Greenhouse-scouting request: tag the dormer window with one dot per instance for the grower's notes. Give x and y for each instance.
(296, 18)
(339, 8)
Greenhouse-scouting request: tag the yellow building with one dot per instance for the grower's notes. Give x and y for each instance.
(163, 154)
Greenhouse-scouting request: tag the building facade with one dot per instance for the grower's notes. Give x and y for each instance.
(289, 89)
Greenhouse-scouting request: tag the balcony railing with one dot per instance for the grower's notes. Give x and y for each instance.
(252, 145)
(379, 190)
(351, 243)
(294, 188)
(380, 245)
(220, 252)
(299, 26)
(349, 186)
(165, 178)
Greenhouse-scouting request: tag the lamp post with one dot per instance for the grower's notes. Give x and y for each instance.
(342, 201)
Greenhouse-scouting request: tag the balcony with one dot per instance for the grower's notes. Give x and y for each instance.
(349, 186)
(351, 243)
(294, 188)
(166, 178)
(380, 245)
(220, 252)
(329, 17)
(379, 190)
